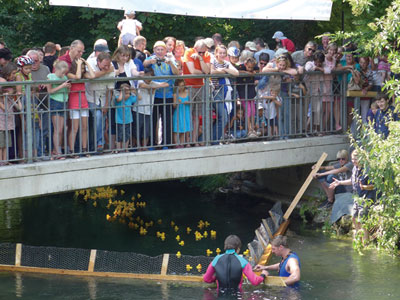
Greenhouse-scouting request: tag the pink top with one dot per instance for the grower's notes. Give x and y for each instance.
(77, 97)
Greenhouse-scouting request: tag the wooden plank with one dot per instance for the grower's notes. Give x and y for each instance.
(268, 229)
(92, 260)
(261, 239)
(164, 266)
(270, 280)
(370, 94)
(274, 281)
(18, 253)
(304, 186)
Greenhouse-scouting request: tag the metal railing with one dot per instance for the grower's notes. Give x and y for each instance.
(218, 112)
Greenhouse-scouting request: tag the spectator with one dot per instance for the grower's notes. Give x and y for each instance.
(101, 43)
(367, 81)
(250, 46)
(75, 52)
(179, 54)
(210, 45)
(286, 43)
(217, 37)
(301, 57)
(233, 55)
(262, 48)
(50, 54)
(5, 57)
(140, 46)
(163, 101)
(170, 43)
(385, 114)
(197, 62)
(239, 125)
(130, 28)
(270, 103)
(182, 116)
(325, 41)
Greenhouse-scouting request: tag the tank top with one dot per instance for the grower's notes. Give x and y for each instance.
(282, 266)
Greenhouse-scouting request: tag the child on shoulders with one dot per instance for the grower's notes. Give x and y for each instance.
(130, 29)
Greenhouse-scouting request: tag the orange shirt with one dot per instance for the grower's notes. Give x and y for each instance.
(187, 58)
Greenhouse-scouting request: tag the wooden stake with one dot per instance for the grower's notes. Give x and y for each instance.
(164, 266)
(92, 260)
(304, 186)
(18, 253)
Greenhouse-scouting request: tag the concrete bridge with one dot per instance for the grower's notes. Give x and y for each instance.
(44, 178)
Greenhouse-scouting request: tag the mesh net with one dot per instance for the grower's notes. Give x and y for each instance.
(7, 254)
(126, 262)
(188, 265)
(55, 258)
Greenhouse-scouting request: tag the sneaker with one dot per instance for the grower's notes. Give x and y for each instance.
(325, 205)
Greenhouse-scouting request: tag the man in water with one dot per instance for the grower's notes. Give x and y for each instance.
(289, 267)
(228, 268)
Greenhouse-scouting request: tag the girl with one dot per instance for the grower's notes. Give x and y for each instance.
(58, 99)
(77, 103)
(179, 52)
(7, 107)
(182, 117)
(238, 124)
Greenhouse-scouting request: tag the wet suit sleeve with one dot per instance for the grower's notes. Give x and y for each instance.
(251, 276)
(209, 276)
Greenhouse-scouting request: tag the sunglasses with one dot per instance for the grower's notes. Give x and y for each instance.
(262, 63)
(341, 159)
(201, 52)
(311, 49)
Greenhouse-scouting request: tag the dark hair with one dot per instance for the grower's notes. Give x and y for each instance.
(232, 242)
(264, 57)
(133, 53)
(178, 81)
(64, 50)
(8, 69)
(319, 56)
(259, 41)
(289, 59)
(49, 47)
(149, 70)
(381, 95)
(6, 54)
(74, 68)
(217, 36)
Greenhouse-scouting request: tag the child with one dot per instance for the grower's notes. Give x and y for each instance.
(142, 111)
(123, 115)
(271, 103)
(25, 63)
(182, 117)
(299, 104)
(130, 29)
(247, 89)
(7, 107)
(384, 114)
(58, 99)
(372, 113)
(261, 122)
(77, 103)
(238, 124)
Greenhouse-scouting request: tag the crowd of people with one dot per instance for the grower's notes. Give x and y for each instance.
(68, 118)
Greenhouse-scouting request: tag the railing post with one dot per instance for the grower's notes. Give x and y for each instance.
(207, 124)
(343, 103)
(28, 128)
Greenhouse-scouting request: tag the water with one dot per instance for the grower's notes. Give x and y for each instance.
(331, 269)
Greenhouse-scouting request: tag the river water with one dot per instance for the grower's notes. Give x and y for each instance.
(330, 268)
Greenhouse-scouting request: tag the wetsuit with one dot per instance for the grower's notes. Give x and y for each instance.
(282, 267)
(227, 270)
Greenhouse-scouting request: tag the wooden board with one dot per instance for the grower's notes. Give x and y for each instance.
(369, 94)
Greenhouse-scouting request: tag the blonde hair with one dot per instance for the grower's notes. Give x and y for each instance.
(342, 154)
(60, 65)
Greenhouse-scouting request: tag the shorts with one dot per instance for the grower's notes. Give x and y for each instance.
(196, 97)
(78, 113)
(123, 132)
(141, 123)
(127, 39)
(57, 107)
(4, 135)
(273, 122)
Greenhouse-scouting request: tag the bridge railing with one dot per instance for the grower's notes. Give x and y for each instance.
(224, 109)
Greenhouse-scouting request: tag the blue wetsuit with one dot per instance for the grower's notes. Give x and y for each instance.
(282, 267)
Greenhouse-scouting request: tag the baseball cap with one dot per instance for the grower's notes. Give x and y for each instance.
(251, 46)
(101, 48)
(233, 51)
(279, 35)
(209, 42)
(159, 44)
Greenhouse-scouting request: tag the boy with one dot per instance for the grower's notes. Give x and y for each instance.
(384, 114)
(123, 115)
(271, 101)
(142, 112)
(261, 122)
(130, 28)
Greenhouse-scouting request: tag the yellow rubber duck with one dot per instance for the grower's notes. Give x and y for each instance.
(188, 268)
(205, 234)
(159, 221)
(245, 253)
(209, 252)
(178, 254)
(213, 234)
(176, 228)
(206, 224)
(182, 243)
(172, 223)
(218, 251)
(139, 196)
(178, 238)
(188, 230)
(108, 217)
(198, 267)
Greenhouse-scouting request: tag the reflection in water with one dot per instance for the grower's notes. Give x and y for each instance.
(18, 285)
(92, 288)
(275, 293)
(164, 290)
(10, 219)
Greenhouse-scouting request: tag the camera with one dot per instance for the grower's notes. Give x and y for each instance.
(159, 61)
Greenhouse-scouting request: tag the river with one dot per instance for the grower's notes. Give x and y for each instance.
(330, 268)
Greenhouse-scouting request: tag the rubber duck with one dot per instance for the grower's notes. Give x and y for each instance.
(139, 196)
(246, 253)
(213, 234)
(178, 254)
(205, 234)
(108, 217)
(188, 268)
(218, 251)
(122, 192)
(176, 228)
(182, 243)
(172, 223)
(198, 267)
(206, 224)
(178, 238)
(159, 221)
(209, 252)
(188, 230)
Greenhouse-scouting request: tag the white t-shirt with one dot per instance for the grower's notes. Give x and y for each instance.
(269, 106)
(146, 96)
(129, 26)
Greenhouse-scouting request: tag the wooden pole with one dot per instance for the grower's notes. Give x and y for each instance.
(18, 253)
(92, 260)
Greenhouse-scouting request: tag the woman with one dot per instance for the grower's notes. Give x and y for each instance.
(179, 52)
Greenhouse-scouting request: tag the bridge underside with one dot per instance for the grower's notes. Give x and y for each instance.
(60, 176)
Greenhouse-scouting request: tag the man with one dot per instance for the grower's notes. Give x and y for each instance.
(289, 267)
(217, 37)
(98, 95)
(250, 46)
(196, 61)
(5, 57)
(50, 54)
(325, 40)
(227, 269)
(40, 72)
(162, 66)
(262, 48)
(301, 57)
(75, 52)
(140, 46)
(286, 43)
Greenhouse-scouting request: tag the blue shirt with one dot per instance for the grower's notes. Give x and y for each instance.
(163, 69)
(381, 119)
(123, 111)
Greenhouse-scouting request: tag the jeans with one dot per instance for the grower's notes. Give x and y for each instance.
(284, 115)
(221, 113)
(240, 133)
(100, 122)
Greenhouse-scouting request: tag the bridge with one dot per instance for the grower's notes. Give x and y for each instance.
(42, 178)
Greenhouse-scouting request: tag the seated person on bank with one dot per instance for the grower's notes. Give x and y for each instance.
(227, 269)
(289, 267)
(340, 170)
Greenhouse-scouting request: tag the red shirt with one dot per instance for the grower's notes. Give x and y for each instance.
(289, 45)
(66, 58)
(187, 58)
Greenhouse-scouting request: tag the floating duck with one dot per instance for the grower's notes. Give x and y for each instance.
(188, 230)
(205, 234)
(163, 237)
(182, 243)
(139, 196)
(122, 192)
(213, 234)
(178, 238)
(178, 254)
(246, 253)
(188, 268)
(201, 224)
(142, 231)
(95, 203)
(176, 228)
(198, 267)
(172, 223)
(206, 224)
(198, 235)
(108, 217)
(209, 252)
(159, 221)
(218, 251)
